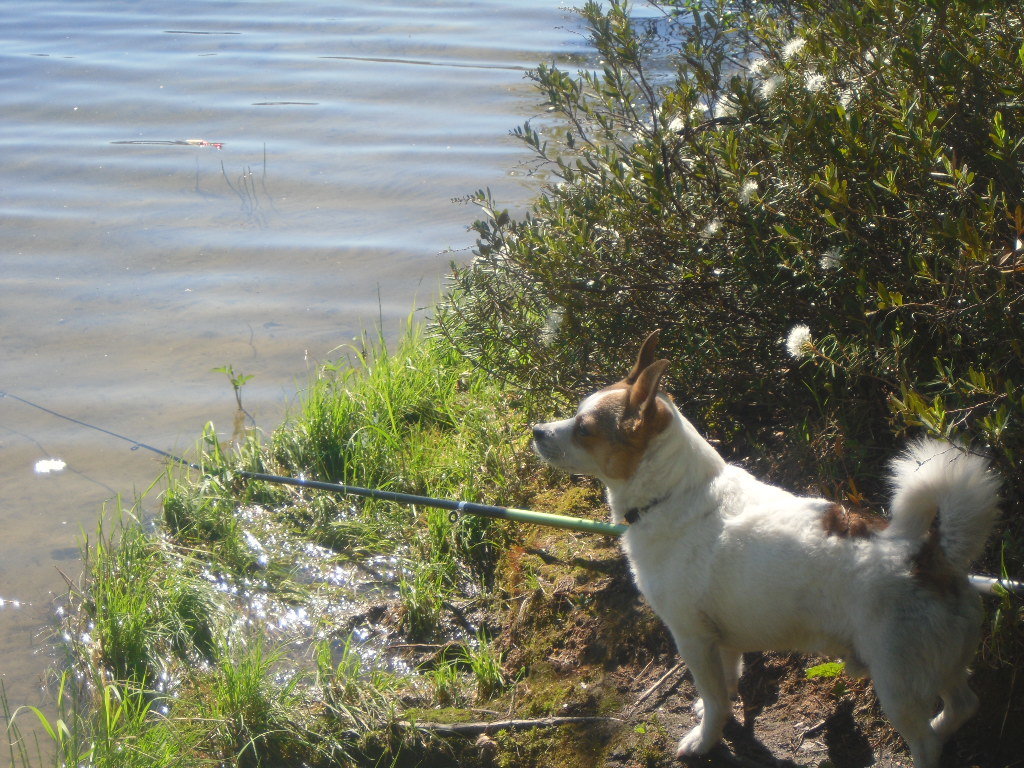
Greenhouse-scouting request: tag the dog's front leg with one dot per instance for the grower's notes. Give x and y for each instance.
(732, 665)
(704, 658)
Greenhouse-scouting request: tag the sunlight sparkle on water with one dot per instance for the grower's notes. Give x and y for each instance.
(46, 466)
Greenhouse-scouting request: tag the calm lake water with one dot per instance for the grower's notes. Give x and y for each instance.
(194, 184)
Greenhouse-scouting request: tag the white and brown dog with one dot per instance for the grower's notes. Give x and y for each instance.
(732, 564)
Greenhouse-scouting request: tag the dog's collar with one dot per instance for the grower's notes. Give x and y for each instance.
(633, 514)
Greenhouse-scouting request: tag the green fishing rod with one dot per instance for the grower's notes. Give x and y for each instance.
(456, 507)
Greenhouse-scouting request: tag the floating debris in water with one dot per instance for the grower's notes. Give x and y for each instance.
(176, 142)
(204, 143)
(46, 466)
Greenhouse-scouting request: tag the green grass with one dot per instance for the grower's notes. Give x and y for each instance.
(117, 726)
(447, 683)
(419, 419)
(144, 602)
(484, 660)
(424, 593)
(357, 695)
(468, 673)
(253, 703)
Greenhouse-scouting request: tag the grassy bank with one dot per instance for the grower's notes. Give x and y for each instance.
(828, 177)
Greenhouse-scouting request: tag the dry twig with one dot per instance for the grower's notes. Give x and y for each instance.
(475, 729)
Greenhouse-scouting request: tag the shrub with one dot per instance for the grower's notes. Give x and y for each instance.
(845, 176)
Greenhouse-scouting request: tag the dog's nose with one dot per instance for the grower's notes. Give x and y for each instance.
(538, 432)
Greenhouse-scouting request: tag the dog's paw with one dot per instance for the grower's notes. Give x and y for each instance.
(696, 742)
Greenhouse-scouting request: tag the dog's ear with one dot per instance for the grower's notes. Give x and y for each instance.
(645, 358)
(644, 391)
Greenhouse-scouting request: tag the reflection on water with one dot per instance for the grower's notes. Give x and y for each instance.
(187, 187)
(341, 594)
(46, 466)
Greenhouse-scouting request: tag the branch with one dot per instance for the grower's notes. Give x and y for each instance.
(643, 696)
(475, 729)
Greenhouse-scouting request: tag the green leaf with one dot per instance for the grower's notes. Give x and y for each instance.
(829, 669)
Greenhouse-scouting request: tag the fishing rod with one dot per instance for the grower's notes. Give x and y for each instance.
(983, 584)
(455, 507)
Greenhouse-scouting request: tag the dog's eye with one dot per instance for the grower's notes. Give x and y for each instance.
(582, 430)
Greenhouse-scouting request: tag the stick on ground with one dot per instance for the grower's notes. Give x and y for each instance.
(475, 729)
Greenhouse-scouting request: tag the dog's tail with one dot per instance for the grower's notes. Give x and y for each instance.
(939, 478)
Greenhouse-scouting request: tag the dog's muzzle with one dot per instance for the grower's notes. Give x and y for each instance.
(542, 442)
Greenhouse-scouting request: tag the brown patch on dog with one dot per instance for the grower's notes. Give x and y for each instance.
(615, 435)
(618, 428)
(932, 568)
(851, 523)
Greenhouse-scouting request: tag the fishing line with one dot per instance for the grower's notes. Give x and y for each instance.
(134, 443)
(983, 584)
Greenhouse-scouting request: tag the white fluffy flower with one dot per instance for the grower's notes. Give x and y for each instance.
(724, 107)
(792, 48)
(831, 259)
(754, 67)
(711, 229)
(549, 332)
(814, 81)
(799, 342)
(769, 86)
(747, 191)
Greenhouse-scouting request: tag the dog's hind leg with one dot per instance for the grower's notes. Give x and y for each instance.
(705, 660)
(909, 711)
(958, 706)
(958, 700)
